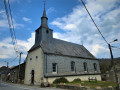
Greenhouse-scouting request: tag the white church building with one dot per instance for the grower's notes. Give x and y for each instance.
(51, 58)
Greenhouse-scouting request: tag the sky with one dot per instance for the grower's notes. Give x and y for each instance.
(69, 21)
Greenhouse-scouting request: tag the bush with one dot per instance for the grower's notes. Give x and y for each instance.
(60, 80)
(77, 80)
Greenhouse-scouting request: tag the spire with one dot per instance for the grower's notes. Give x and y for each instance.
(44, 18)
(44, 13)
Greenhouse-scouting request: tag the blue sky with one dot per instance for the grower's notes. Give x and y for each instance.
(69, 21)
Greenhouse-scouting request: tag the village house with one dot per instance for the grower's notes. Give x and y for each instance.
(4, 73)
(51, 58)
(13, 76)
(108, 71)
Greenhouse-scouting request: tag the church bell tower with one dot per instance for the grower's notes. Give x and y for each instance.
(43, 33)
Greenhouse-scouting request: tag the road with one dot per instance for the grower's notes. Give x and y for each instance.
(10, 86)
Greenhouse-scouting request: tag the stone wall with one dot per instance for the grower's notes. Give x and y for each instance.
(36, 64)
(70, 87)
(64, 65)
(71, 78)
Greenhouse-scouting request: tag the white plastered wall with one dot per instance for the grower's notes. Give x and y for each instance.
(36, 65)
(71, 78)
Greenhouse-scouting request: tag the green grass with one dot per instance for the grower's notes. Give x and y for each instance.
(91, 84)
(94, 84)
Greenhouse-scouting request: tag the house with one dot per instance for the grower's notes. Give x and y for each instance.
(14, 73)
(51, 58)
(4, 73)
(107, 71)
(110, 75)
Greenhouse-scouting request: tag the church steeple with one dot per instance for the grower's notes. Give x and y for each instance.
(44, 13)
(44, 18)
(43, 33)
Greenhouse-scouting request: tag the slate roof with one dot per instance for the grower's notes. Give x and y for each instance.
(61, 47)
(5, 71)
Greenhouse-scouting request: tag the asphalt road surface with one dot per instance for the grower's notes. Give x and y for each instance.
(10, 86)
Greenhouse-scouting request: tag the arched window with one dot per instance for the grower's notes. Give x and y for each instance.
(95, 66)
(85, 66)
(72, 66)
(36, 57)
(54, 66)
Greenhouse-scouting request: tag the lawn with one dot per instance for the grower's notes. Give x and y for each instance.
(91, 84)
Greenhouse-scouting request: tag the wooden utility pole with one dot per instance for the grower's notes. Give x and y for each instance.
(113, 65)
(7, 64)
(19, 66)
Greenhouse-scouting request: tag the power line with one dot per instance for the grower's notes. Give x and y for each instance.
(115, 47)
(11, 60)
(94, 22)
(14, 59)
(9, 22)
(11, 27)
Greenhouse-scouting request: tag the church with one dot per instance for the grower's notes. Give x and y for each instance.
(51, 58)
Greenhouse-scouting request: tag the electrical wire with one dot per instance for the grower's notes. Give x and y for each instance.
(115, 47)
(14, 59)
(94, 22)
(11, 27)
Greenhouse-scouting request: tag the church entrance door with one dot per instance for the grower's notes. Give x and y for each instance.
(32, 77)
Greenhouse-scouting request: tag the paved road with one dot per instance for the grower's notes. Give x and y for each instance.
(9, 86)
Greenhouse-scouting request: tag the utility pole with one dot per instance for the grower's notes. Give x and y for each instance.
(0, 79)
(112, 62)
(19, 66)
(7, 64)
(113, 65)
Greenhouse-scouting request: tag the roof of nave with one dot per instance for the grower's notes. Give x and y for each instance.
(61, 47)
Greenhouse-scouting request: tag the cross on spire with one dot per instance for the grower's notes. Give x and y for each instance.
(44, 18)
(44, 4)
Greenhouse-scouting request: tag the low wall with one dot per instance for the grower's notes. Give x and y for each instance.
(70, 87)
(71, 78)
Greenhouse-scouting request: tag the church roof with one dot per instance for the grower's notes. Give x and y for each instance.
(56, 46)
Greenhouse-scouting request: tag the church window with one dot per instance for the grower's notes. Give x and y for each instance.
(95, 66)
(54, 66)
(47, 31)
(36, 57)
(85, 66)
(72, 66)
(30, 58)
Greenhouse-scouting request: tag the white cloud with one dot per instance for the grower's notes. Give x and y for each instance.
(4, 21)
(79, 27)
(99, 49)
(7, 50)
(27, 19)
(51, 9)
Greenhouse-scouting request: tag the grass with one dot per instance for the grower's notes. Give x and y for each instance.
(91, 84)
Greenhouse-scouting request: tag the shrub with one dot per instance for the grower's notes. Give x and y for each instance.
(77, 80)
(60, 80)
